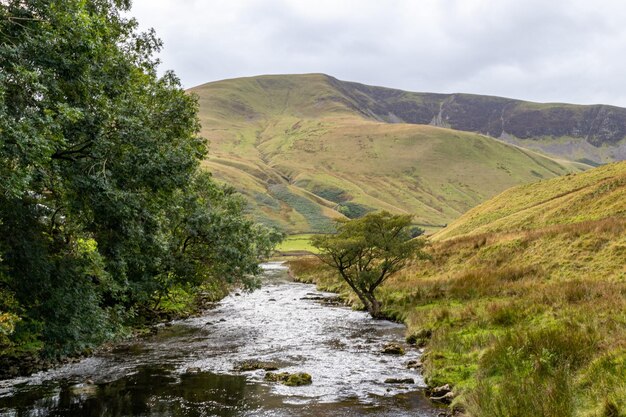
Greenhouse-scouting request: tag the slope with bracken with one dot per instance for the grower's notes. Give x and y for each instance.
(304, 152)
(522, 306)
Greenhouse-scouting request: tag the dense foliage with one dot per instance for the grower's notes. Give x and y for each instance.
(103, 208)
(367, 251)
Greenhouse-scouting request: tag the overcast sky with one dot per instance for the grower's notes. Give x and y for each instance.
(540, 50)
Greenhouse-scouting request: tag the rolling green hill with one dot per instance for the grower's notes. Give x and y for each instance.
(304, 151)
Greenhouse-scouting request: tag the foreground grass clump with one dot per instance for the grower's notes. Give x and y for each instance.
(521, 321)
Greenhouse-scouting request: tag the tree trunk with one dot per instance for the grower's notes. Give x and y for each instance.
(373, 306)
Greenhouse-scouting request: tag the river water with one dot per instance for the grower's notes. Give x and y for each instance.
(187, 368)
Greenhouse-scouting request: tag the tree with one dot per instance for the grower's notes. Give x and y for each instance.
(367, 251)
(102, 204)
(212, 238)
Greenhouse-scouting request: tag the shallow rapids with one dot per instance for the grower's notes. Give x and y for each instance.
(187, 368)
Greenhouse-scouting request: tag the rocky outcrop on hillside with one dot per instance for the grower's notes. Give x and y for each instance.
(507, 119)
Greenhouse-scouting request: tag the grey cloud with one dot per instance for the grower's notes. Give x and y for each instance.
(568, 51)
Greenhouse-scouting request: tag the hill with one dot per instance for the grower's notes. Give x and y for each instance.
(304, 151)
(593, 195)
(521, 306)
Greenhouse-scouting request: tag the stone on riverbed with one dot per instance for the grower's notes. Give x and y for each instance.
(292, 380)
(393, 349)
(399, 381)
(253, 365)
(414, 364)
(442, 394)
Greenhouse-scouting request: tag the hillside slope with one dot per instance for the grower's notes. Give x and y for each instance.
(521, 307)
(594, 133)
(304, 152)
(593, 195)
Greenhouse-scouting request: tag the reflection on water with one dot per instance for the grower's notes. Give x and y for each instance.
(187, 369)
(153, 390)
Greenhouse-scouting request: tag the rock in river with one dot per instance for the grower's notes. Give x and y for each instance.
(399, 381)
(292, 380)
(393, 349)
(414, 364)
(253, 365)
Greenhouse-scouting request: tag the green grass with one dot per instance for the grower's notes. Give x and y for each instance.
(297, 243)
(302, 155)
(525, 320)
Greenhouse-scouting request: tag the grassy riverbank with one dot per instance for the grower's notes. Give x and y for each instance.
(522, 307)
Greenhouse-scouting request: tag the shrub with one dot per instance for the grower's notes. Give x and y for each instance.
(353, 210)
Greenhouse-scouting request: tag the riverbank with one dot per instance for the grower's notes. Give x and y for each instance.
(26, 359)
(533, 322)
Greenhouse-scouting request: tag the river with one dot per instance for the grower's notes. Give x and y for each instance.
(187, 367)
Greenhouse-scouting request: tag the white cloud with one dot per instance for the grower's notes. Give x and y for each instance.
(567, 51)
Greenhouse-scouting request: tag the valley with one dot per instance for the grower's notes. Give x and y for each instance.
(295, 244)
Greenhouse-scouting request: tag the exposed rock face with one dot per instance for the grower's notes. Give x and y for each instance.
(499, 117)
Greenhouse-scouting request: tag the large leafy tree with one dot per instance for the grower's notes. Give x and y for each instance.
(102, 205)
(368, 250)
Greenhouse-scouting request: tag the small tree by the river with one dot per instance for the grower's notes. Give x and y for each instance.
(367, 251)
